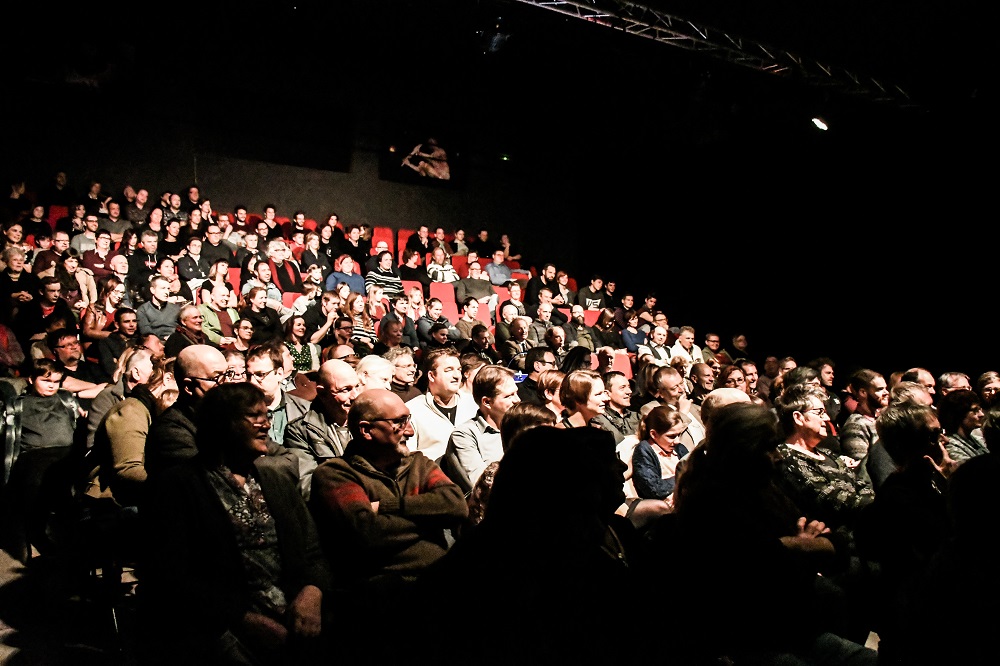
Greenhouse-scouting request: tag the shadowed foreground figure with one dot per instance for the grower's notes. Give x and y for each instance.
(550, 576)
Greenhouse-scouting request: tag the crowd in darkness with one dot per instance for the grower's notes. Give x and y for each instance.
(306, 443)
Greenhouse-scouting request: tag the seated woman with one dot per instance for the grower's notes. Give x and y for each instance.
(343, 271)
(962, 416)
(218, 274)
(632, 335)
(180, 292)
(99, 318)
(232, 569)
(655, 458)
(266, 321)
(305, 354)
(583, 396)
(364, 324)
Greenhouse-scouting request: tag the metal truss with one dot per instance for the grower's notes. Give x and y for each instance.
(641, 21)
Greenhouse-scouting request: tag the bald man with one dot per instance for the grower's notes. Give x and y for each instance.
(321, 433)
(171, 439)
(381, 510)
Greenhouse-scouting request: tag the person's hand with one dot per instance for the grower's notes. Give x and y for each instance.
(332, 315)
(947, 466)
(226, 340)
(812, 528)
(305, 614)
(684, 404)
(267, 632)
(375, 506)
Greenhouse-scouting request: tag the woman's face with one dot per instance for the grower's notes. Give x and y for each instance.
(15, 233)
(326, 233)
(251, 430)
(596, 401)
(259, 300)
(245, 332)
(345, 291)
(347, 265)
(117, 294)
(236, 365)
(167, 268)
(974, 418)
(71, 264)
(667, 440)
(16, 263)
(359, 305)
(299, 327)
(736, 380)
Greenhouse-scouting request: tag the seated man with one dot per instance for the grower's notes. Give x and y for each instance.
(382, 510)
(321, 433)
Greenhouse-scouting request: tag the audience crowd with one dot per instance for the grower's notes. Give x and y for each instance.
(285, 431)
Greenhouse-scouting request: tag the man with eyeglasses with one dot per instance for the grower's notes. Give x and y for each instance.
(171, 439)
(819, 482)
(382, 510)
(216, 248)
(65, 345)
(536, 361)
(321, 433)
(266, 369)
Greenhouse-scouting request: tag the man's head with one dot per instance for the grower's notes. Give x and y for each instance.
(703, 378)
(545, 312)
(518, 329)
(126, 320)
(194, 246)
(444, 373)
(669, 385)
(498, 257)
(953, 381)
(50, 290)
(495, 391)
(159, 290)
(538, 359)
(191, 318)
(475, 270)
(619, 390)
(910, 432)
(686, 337)
(343, 329)
(712, 341)
(507, 313)
(266, 369)
(870, 390)
(404, 366)
(197, 369)
(750, 373)
(659, 336)
(549, 272)
(103, 240)
(91, 223)
(60, 241)
(263, 272)
(138, 365)
(379, 422)
(336, 388)
(65, 344)
(921, 376)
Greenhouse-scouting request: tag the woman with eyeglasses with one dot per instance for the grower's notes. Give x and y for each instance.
(99, 317)
(243, 332)
(234, 572)
(818, 481)
(962, 416)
